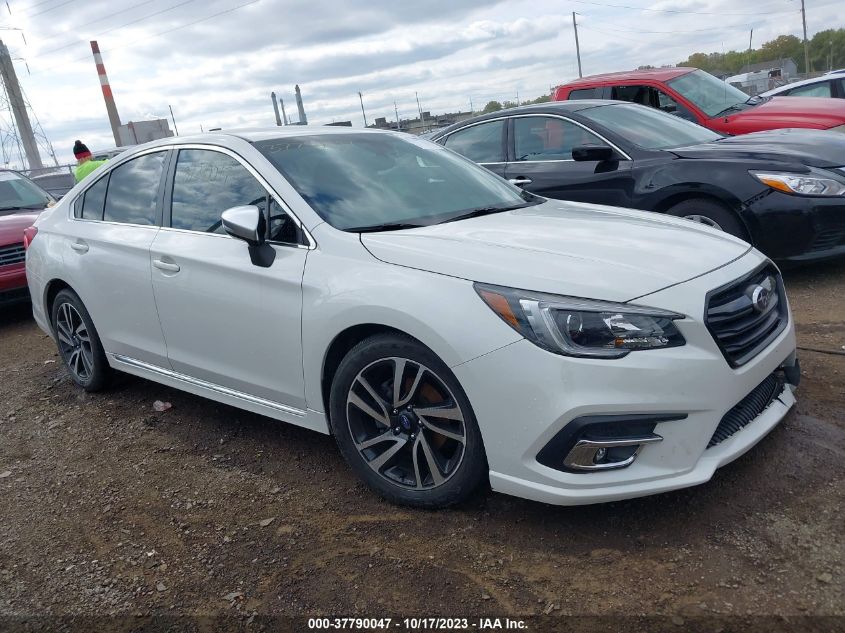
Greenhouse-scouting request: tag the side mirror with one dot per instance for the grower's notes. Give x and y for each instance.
(244, 223)
(590, 153)
(247, 223)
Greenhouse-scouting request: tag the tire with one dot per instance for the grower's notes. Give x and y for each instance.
(396, 454)
(78, 342)
(710, 213)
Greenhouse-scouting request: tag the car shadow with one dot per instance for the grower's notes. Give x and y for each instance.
(15, 314)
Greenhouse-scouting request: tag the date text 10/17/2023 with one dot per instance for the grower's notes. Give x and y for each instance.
(417, 624)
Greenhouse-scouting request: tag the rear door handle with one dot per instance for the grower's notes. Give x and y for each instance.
(519, 181)
(80, 247)
(166, 266)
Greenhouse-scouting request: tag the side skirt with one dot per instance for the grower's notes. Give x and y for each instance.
(309, 419)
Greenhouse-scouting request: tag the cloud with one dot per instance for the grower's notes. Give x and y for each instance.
(220, 71)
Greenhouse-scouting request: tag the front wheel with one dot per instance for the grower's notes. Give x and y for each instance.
(404, 425)
(710, 214)
(78, 342)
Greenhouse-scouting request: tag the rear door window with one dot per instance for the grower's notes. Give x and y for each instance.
(481, 143)
(91, 205)
(133, 188)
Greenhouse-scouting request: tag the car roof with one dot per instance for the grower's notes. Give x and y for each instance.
(550, 107)
(660, 74)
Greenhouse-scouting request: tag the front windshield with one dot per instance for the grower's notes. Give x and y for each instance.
(17, 192)
(712, 96)
(364, 181)
(648, 128)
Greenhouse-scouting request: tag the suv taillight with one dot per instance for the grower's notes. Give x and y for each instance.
(29, 234)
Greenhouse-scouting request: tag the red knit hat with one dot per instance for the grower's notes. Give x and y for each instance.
(80, 150)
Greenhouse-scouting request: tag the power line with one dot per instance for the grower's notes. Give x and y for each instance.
(625, 6)
(155, 35)
(58, 6)
(115, 28)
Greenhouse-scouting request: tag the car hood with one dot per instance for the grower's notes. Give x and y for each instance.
(818, 148)
(13, 225)
(806, 112)
(565, 248)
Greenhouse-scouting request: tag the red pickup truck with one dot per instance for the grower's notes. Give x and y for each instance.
(700, 97)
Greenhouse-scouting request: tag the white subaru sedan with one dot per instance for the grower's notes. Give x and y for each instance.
(445, 326)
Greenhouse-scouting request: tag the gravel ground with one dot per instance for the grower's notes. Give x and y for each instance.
(112, 508)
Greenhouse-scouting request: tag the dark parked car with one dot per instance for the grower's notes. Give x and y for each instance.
(781, 190)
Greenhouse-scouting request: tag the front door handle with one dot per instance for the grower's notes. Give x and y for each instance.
(519, 182)
(80, 247)
(166, 266)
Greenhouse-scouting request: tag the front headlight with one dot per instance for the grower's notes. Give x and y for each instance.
(582, 327)
(816, 183)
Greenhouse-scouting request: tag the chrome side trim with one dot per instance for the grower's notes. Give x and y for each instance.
(209, 386)
(582, 455)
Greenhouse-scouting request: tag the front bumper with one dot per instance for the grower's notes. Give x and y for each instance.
(537, 393)
(797, 229)
(13, 286)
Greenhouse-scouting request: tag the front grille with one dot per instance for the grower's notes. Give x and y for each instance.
(827, 239)
(748, 408)
(13, 254)
(741, 326)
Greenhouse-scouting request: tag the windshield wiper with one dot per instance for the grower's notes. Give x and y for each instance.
(737, 106)
(475, 213)
(387, 226)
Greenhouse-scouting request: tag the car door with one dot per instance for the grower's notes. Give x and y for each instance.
(483, 143)
(541, 162)
(227, 321)
(107, 256)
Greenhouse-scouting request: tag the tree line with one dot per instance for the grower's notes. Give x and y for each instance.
(827, 51)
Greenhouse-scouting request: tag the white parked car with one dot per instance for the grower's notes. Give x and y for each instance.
(830, 84)
(444, 325)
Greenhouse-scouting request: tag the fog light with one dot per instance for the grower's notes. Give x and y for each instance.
(607, 453)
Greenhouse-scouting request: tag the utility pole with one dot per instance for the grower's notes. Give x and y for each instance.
(18, 107)
(517, 97)
(361, 97)
(806, 45)
(578, 47)
(471, 109)
(173, 118)
(750, 37)
(398, 122)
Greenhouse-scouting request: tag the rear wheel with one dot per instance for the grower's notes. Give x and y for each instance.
(78, 342)
(404, 424)
(710, 214)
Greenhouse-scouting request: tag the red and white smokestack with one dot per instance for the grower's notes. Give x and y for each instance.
(111, 108)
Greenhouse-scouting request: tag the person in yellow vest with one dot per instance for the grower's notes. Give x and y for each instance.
(85, 165)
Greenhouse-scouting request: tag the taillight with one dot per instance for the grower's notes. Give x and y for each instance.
(29, 234)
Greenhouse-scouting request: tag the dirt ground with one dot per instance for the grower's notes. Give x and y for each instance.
(108, 507)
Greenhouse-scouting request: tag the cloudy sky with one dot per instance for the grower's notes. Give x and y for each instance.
(216, 61)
